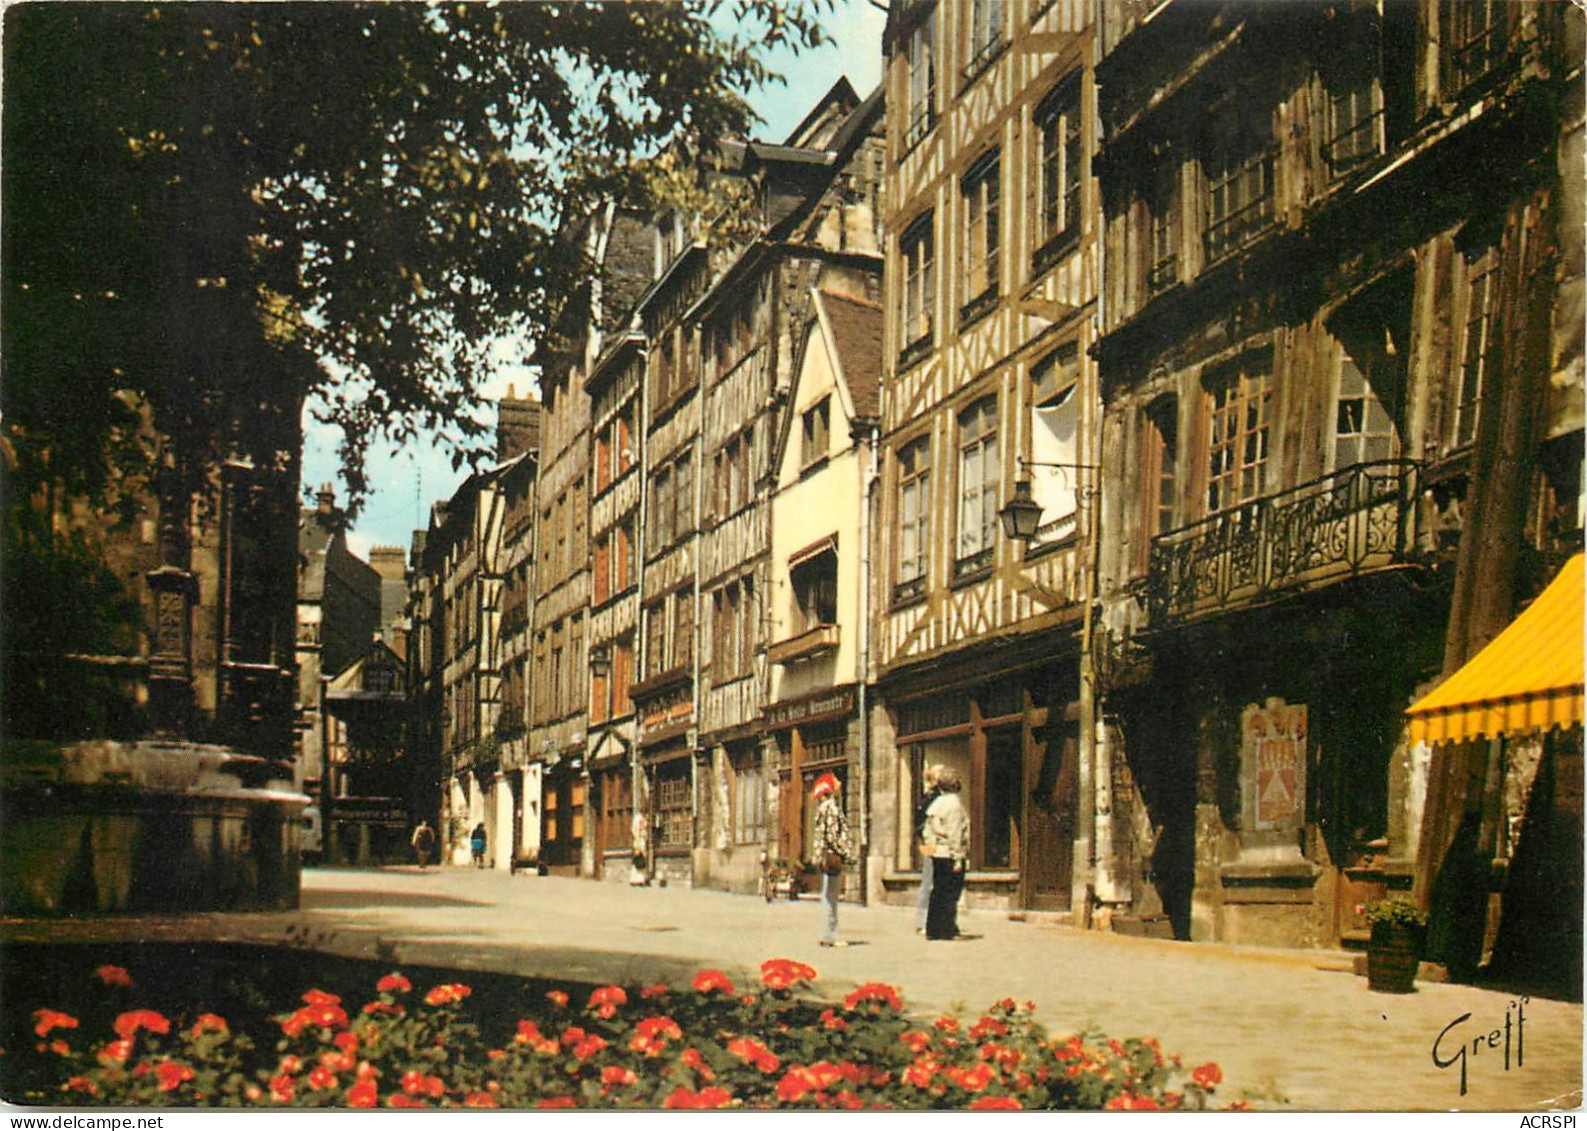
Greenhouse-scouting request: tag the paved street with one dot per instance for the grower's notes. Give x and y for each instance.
(1293, 1030)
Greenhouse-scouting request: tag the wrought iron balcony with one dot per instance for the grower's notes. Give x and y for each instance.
(1354, 521)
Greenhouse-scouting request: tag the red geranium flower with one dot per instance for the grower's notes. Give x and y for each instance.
(402, 1099)
(1207, 1075)
(113, 976)
(320, 997)
(617, 1074)
(364, 1093)
(346, 1041)
(946, 1024)
(480, 1099)
(209, 1023)
(556, 1102)
(557, 998)
(1129, 1101)
(878, 993)
(322, 1078)
(831, 1020)
(657, 990)
(915, 1040)
(605, 1000)
(690, 1100)
(751, 1051)
(528, 1033)
(446, 994)
(49, 1019)
(172, 1075)
(707, 980)
(416, 1083)
(785, 973)
(692, 1059)
(971, 1079)
(81, 1084)
(589, 1046)
(996, 1103)
(393, 984)
(129, 1023)
(283, 1088)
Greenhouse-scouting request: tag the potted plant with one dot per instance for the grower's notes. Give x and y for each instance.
(1395, 948)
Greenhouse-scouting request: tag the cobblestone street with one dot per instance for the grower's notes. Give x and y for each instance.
(1293, 1030)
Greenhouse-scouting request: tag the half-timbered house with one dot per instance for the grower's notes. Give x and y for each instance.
(1341, 363)
(991, 286)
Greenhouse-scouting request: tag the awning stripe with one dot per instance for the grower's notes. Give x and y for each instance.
(1527, 678)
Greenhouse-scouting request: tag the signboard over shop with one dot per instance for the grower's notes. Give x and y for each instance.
(827, 703)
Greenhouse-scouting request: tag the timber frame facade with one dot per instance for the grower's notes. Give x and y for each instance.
(1342, 444)
(990, 306)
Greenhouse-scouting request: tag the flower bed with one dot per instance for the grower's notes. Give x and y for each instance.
(708, 1044)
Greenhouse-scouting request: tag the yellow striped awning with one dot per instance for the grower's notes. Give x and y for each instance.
(1527, 678)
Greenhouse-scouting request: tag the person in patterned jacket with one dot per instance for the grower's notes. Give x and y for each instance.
(831, 850)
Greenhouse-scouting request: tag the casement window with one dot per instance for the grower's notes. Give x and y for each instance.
(733, 630)
(622, 553)
(1363, 429)
(603, 459)
(663, 369)
(733, 337)
(659, 528)
(914, 518)
(623, 441)
(733, 481)
(1239, 184)
(922, 61)
(1058, 129)
(986, 36)
(682, 628)
(815, 591)
(1163, 207)
(1055, 439)
(917, 250)
(1476, 38)
(1479, 351)
(622, 676)
(814, 432)
(980, 191)
(1159, 472)
(1355, 124)
(979, 470)
(656, 643)
(603, 569)
(747, 791)
(683, 494)
(1239, 410)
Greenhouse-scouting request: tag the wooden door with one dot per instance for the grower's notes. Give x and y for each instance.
(1051, 812)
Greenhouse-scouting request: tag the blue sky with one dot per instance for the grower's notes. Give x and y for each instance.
(408, 481)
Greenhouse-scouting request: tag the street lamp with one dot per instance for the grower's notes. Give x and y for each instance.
(1021, 515)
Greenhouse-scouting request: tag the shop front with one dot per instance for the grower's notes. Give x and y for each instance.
(563, 802)
(814, 734)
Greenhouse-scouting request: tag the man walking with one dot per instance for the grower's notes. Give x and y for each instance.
(423, 843)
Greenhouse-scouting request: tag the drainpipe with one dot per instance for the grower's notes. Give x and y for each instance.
(868, 480)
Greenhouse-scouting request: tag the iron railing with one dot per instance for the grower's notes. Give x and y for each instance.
(1356, 520)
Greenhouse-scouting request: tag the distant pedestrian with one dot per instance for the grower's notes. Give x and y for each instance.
(948, 845)
(423, 844)
(831, 850)
(923, 896)
(476, 843)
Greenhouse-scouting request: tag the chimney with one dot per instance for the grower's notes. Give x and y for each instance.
(326, 499)
(517, 425)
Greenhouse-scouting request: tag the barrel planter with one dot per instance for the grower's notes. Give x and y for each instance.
(1392, 955)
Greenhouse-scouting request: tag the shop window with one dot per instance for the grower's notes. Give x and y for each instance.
(1000, 800)
(578, 796)
(1062, 155)
(914, 517)
(981, 191)
(1479, 353)
(815, 591)
(922, 62)
(674, 812)
(748, 793)
(916, 248)
(1238, 414)
(1055, 433)
(979, 469)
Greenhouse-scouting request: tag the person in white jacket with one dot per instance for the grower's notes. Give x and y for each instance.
(947, 841)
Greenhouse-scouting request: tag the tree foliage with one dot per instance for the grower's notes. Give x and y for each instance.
(204, 200)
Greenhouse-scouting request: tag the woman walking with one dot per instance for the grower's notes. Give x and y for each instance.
(948, 845)
(830, 850)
